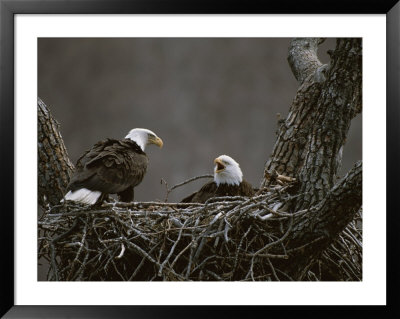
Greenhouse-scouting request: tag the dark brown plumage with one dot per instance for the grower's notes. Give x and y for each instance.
(211, 189)
(111, 167)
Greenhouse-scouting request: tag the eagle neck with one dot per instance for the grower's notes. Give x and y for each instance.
(139, 141)
(135, 146)
(229, 181)
(228, 178)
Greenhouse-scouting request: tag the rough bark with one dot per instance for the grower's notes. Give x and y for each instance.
(303, 58)
(280, 234)
(54, 165)
(314, 231)
(311, 139)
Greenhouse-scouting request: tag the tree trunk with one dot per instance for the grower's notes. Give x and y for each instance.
(280, 234)
(54, 166)
(310, 141)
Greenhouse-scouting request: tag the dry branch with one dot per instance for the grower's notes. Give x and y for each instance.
(227, 238)
(199, 242)
(302, 224)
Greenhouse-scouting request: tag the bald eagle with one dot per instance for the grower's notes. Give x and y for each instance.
(228, 181)
(111, 167)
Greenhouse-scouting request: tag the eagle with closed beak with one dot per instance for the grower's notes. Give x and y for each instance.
(111, 166)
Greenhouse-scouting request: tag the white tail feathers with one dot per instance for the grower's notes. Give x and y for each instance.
(83, 195)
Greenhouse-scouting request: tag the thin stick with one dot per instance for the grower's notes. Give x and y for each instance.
(191, 180)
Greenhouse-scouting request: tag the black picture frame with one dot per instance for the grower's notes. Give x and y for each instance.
(8, 10)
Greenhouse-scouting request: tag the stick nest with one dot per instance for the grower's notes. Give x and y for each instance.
(225, 239)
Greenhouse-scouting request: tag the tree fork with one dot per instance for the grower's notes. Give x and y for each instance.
(308, 148)
(311, 139)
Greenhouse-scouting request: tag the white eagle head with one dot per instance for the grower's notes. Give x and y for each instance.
(144, 137)
(227, 171)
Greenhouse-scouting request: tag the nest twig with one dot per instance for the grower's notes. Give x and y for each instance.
(227, 238)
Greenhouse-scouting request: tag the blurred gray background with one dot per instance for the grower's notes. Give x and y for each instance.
(203, 96)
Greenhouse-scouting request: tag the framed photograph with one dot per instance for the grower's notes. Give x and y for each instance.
(170, 155)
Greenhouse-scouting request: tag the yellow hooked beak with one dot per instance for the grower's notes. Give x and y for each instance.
(156, 140)
(220, 165)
